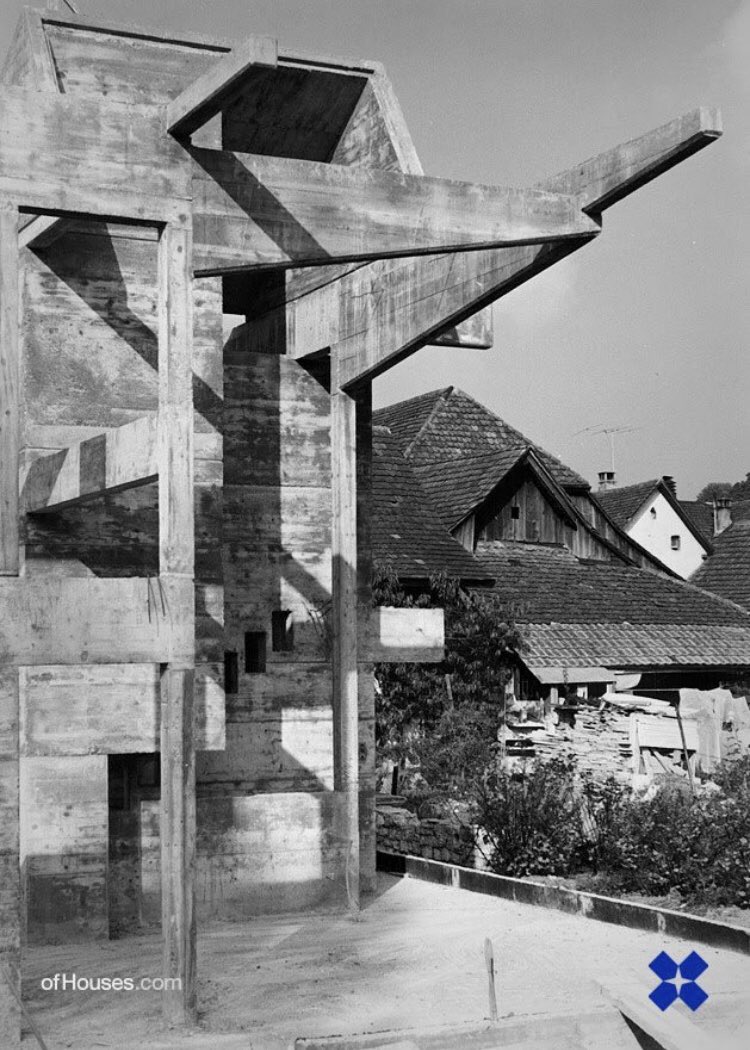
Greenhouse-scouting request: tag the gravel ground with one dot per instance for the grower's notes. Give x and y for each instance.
(414, 958)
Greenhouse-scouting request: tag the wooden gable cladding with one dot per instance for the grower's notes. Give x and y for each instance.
(526, 514)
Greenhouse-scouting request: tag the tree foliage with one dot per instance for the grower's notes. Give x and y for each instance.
(714, 490)
(416, 717)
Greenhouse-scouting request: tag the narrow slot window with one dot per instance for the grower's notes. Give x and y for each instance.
(231, 672)
(282, 631)
(255, 652)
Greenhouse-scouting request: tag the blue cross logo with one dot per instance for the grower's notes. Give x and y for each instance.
(678, 980)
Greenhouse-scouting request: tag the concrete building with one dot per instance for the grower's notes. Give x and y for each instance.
(186, 696)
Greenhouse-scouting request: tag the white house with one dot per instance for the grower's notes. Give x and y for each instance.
(651, 515)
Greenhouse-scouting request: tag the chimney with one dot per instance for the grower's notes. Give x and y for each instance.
(670, 483)
(722, 514)
(606, 480)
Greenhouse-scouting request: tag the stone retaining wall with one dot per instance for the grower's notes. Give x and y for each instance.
(401, 831)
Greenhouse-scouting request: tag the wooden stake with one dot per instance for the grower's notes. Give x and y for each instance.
(489, 958)
(684, 749)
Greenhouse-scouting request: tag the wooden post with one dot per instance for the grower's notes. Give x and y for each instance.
(344, 601)
(176, 559)
(10, 875)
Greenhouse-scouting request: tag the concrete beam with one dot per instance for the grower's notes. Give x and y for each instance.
(252, 211)
(404, 636)
(90, 157)
(119, 459)
(377, 315)
(204, 98)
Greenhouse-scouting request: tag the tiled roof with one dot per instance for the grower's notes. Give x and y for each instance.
(406, 418)
(741, 510)
(407, 532)
(625, 645)
(577, 613)
(551, 585)
(448, 424)
(621, 504)
(727, 570)
(702, 517)
(459, 485)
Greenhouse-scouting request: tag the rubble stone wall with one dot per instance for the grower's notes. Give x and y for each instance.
(401, 831)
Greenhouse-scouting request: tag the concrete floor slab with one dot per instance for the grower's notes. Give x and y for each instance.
(414, 959)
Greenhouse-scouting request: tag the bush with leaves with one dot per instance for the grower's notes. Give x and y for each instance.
(531, 819)
(416, 720)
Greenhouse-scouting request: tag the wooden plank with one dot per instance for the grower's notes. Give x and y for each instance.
(404, 636)
(75, 620)
(119, 459)
(252, 211)
(9, 389)
(344, 623)
(206, 95)
(90, 156)
(177, 823)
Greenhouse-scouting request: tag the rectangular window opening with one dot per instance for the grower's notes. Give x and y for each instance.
(282, 631)
(515, 513)
(255, 652)
(675, 541)
(231, 672)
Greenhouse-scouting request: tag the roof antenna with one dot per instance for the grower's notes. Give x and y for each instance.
(609, 430)
(57, 5)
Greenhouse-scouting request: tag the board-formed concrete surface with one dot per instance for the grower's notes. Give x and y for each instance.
(414, 959)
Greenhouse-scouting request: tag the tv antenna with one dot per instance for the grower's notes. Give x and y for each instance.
(609, 430)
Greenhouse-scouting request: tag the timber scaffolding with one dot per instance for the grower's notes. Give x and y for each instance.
(168, 499)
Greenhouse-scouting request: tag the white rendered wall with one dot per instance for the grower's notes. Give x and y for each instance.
(655, 534)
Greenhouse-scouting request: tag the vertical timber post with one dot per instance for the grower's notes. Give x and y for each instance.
(10, 874)
(344, 601)
(176, 563)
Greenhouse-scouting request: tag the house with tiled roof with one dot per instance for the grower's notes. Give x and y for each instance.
(489, 481)
(601, 622)
(650, 513)
(408, 536)
(595, 608)
(727, 571)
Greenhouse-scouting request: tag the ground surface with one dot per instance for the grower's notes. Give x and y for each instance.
(415, 958)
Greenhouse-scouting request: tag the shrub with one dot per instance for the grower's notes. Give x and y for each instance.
(549, 820)
(531, 819)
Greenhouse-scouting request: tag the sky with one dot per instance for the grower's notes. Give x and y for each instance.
(647, 329)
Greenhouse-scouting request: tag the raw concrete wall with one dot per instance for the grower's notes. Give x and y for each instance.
(64, 847)
(268, 817)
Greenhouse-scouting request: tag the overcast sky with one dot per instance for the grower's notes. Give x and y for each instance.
(649, 326)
